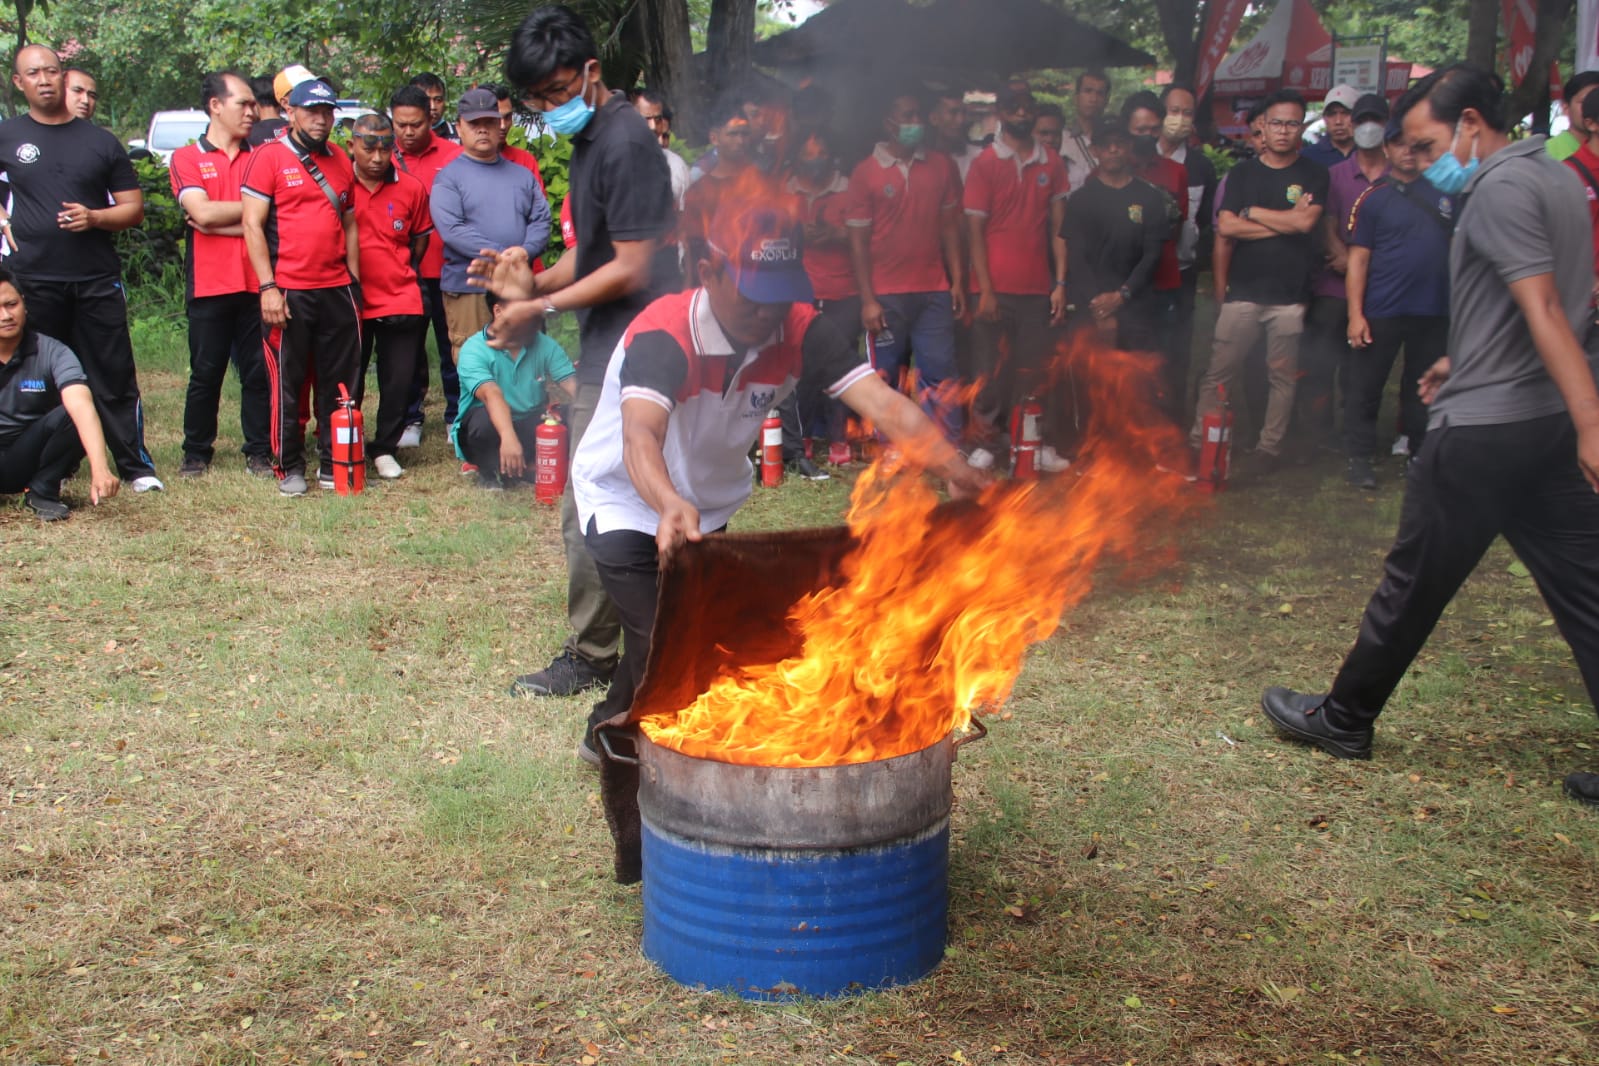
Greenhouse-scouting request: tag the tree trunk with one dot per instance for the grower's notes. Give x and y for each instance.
(1482, 33)
(1553, 17)
(729, 42)
(670, 63)
(1180, 27)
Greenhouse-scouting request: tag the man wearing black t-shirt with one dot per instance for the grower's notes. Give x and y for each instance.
(63, 173)
(1269, 213)
(621, 204)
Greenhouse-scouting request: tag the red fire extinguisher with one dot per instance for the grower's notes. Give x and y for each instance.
(1024, 437)
(549, 459)
(1216, 445)
(772, 450)
(349, 446)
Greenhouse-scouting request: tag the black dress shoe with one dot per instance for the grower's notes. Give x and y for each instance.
(1582, 787)
(1299, 716)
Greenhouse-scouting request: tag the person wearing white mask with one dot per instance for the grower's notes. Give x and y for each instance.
(1194, 242)
(1326, 345)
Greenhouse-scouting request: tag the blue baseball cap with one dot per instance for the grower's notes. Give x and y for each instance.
(765, 251)
(313, 93)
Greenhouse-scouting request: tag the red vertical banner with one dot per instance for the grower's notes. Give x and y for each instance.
(1521, 29)
(1222, 18)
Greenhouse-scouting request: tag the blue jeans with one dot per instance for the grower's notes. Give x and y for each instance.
(922, 324)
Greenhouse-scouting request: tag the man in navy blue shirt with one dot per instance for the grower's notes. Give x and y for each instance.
(1398, 283)
(1338, 115)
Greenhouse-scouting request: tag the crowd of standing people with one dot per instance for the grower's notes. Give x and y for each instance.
(925, 281)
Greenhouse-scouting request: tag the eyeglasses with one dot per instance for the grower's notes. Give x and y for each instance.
(1284, 124)
(548, 96)
(371, 141)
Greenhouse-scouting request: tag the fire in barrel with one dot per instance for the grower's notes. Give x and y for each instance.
(796, 814)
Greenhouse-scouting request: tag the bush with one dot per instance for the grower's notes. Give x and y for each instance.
(154, 250)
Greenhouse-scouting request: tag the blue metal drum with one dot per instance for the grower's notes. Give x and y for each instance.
(775, 882)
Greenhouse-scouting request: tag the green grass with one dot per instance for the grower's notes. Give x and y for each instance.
(263, 799)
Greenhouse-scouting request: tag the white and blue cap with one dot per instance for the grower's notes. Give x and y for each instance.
(765, 252)
(313, 93)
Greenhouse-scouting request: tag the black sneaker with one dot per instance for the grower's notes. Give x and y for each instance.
(489, 482)
(1582, 787)
(1300, 716)
(257, 466)
(1361, 475)
(193, 466)
(804, 467)
(47, 510)
(569, 674)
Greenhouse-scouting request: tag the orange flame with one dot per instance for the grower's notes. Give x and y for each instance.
(934, 613)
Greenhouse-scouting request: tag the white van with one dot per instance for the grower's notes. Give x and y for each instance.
(171, 130)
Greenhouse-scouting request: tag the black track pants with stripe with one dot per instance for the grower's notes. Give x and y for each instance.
(322, 336)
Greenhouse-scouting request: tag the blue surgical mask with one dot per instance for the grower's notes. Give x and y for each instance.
(1449, 175)
(910, 135)
(569, 119)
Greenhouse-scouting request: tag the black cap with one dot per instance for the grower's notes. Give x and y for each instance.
(1370, 106)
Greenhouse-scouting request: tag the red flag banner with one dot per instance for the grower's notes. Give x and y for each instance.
(1221, 24)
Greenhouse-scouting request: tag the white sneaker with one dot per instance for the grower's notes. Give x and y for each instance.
(412, 436)
(148, 483)
(387, 467)
(1052, 462)
(980, 459)
(1401, 445)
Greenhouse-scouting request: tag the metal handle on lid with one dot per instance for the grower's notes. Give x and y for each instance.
(979, 731)
(603, 735)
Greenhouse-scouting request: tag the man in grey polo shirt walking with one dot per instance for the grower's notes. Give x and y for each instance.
(1512, 442)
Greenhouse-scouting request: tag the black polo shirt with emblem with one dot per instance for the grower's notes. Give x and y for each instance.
(31, 383)
(47, 165)
(621, 190)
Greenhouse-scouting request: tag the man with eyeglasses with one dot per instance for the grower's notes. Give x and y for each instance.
(482, 202)
(393, 223)
(1269, 213)
(621, 200)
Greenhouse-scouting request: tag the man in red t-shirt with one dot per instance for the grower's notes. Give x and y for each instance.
(904, 222)
(223, 308)
(422, 153)
(520, 156)
(1015, 201)
(299, 227)
(732, 136)
(393, 223)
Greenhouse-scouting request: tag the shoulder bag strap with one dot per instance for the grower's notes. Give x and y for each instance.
(317, 176)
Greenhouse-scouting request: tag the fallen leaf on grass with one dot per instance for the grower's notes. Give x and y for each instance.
(1500, 1008)
(247, 1021)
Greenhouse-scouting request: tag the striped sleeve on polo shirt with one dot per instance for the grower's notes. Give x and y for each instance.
(655, 368)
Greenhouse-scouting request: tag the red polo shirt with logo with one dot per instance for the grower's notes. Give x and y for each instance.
(903, 203)
(425, 166)
(829, 266)
(1014, 195)
(387, 219)
(304, 232)
(213, 265)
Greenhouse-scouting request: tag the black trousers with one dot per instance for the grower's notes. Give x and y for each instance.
(1012, 358)
(433, 301)
(401, 343)
(1177, 346)
(1467, 486)
(808, 412)
(1322, 352)
(41, 456)
(1424, 339)
(630, 572)
(323, 334)
(91, 318)
(480, 441)
(223, 330)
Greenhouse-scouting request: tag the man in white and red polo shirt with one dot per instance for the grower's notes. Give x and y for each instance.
(666, 459)
(223, 308)
(299, 227)
(422, 154)
(904, 223)
(393, 223)
(1015, 203)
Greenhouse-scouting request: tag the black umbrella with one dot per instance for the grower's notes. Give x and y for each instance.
(945, 38)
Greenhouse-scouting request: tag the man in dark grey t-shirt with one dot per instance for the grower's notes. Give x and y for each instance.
(1512, 446)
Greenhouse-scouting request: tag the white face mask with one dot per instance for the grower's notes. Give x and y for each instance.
(1368, 135)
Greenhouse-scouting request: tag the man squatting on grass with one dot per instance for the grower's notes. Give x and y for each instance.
(1512, 444)
(666, 459)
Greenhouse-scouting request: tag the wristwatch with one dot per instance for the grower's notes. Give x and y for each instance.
(1244, 214)
(550, 310)
(1126, 294)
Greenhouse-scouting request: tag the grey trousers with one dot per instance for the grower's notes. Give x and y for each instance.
(596, 627)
